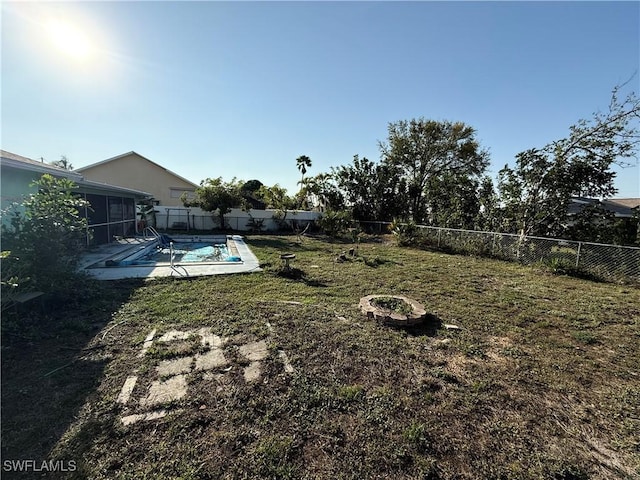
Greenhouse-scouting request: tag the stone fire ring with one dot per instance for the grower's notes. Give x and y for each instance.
(393, 319)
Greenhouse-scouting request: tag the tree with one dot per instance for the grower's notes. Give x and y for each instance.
(63, 163)
(373, 191)
(324, 192)
(488, 217)
(251, 186)
(453, 201)
(427, 149)
(215, 195)
(536, 193)
(249, 192)
(276, 197)
(303, 162)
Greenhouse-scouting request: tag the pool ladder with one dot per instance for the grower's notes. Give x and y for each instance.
(154, 233)
(150, 230)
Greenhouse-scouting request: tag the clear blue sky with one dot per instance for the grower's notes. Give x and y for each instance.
(211, 89)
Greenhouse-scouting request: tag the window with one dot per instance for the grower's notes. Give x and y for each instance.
(177, 193)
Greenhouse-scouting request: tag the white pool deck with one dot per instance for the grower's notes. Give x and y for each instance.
(100, 254)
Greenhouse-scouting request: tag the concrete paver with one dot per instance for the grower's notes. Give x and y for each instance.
(174, 367)
(255, 350)
(166, 391)
(210, 360)
(252, 372)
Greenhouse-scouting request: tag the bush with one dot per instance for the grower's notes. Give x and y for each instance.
(44, 239)
(335, 223)
(407, 234)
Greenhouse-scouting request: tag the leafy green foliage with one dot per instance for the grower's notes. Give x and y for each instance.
(276, 197)
(538, 190)
(327, 194)
(427, 150)
(256, 225)
(251, 186)
(335, 223)
(216, 195)
(14, 278)
(453, 201)
(45, 238)
(373, 191)
(488, 217)
(406, 233)
(392, 304)
(303, 162)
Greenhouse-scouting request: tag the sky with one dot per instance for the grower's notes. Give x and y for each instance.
(241, 89)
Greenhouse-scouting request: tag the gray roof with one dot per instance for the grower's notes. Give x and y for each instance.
(23, 163)
(12, 160)
(618, 209)
(627, 202)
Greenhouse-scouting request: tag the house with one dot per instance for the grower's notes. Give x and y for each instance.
(620, 208)
(113, 208)
(132, 170)
(626, 202)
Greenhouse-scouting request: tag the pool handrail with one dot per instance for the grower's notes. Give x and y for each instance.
(149, 229)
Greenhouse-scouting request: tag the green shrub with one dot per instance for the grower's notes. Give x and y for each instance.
(335, 222)
(407, 234)
(44, 239)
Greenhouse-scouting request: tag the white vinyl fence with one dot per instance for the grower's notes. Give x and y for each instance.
(181, 218)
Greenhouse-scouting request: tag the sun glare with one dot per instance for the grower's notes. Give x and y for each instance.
(69, 40)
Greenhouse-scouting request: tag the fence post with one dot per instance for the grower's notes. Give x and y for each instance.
(439, 231)
(578, 254)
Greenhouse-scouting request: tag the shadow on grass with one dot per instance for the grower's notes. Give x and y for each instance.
(377, 261)
(49, 369)
(291, 242)
(428, 328)
(297, 274)
(279, 243)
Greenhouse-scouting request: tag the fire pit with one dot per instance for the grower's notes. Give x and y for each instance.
(393, 310)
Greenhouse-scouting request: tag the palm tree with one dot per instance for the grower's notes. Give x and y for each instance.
(302, 163)
(63, 163)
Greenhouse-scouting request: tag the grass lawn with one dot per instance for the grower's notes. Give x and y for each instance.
(541, 381)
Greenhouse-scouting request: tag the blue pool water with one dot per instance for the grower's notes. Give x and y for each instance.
(185, 252)
(193, 252)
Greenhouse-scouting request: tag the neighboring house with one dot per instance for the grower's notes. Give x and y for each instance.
(621, 208)
(626, 202)
(132, 170)
(113, 208)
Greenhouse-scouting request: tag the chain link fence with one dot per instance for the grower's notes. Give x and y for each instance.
(607, 262)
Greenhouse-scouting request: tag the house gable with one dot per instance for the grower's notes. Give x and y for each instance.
(132, 170)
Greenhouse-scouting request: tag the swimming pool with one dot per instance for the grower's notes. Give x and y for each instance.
(143, 258)
(179, 251)
(185, 252)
